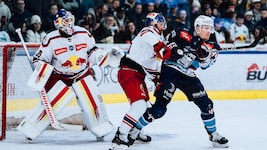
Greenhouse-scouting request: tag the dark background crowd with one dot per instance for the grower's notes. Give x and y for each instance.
(119, 21)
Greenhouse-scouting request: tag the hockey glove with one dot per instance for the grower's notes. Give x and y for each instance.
(115, 54)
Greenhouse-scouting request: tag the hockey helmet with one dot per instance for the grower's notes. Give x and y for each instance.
(64, 21)
(156, 18)
(204, 20)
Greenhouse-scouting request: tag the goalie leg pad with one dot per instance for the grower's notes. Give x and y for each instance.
(37, 121)
(93, 107)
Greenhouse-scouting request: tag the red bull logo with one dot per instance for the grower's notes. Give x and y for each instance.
(80, 61)
(253, 67)
(74, 63)
(256, 73)
(67, 64)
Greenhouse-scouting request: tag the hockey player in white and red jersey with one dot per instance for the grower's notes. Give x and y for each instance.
(143, 60)
(71, 50)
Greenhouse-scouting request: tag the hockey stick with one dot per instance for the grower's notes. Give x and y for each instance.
(47, 105)
(263, 33)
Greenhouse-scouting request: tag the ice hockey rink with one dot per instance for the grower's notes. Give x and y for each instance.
(243, 122)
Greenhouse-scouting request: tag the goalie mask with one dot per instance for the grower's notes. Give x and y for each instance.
(157, 20)
(64, 21)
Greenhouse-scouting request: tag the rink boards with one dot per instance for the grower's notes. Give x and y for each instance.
(235, 75)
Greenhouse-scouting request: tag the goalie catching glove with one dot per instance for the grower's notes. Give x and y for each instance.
(112, 57)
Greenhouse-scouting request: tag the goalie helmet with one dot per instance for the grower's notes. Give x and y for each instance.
(204, 20)
(64, 21)
(156, 18)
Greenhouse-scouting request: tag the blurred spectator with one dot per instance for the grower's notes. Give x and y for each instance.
(262, 24)
(249, 23)
(5, 15)
(256, 10)
(4, 36)
(148, 8)
(129, 6)
(84, 24)
(195, 12)
(108, 3)
(183, 17)
(113, 9)
(88, 21)
(207, 10)
(100, 13)
(121, 18)
(172, 14)
(128, 35)
(19, 16)
(257, 34)
(241, 6)
(177, 23)
(161, 7)
(217, 7)
(230, 6)
(263, 3)
(70, 5)
(220, 35)
(172, 18)
(35, 33)
(48, 20)
(107, 30)
(239, 33)
(138, 17)
(14, 36)
(263, 21)
(84, 6)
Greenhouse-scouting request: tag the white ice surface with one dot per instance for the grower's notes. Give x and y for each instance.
(243, 122)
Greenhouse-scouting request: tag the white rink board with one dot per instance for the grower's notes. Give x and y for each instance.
(228, 73)
(231, 72)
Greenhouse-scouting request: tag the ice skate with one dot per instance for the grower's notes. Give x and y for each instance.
(119, 142)
(136, 134)
(218, 140)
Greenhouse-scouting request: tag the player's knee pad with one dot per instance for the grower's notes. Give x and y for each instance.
(206, 107)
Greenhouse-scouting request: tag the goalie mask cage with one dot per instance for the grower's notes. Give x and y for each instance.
(16, 100)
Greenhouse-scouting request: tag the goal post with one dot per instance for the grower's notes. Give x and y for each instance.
(7, 55)
(3, 93)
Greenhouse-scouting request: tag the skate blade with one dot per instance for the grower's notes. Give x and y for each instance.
(215, 144)
(115, 146)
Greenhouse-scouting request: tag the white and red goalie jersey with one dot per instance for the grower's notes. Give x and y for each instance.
(145, 49)
(69, 55)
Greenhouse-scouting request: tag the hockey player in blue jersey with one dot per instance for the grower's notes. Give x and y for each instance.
(190, 50)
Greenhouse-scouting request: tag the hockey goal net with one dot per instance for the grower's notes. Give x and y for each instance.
(16, 99)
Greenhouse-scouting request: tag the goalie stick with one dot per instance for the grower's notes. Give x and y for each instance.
(47, 105)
